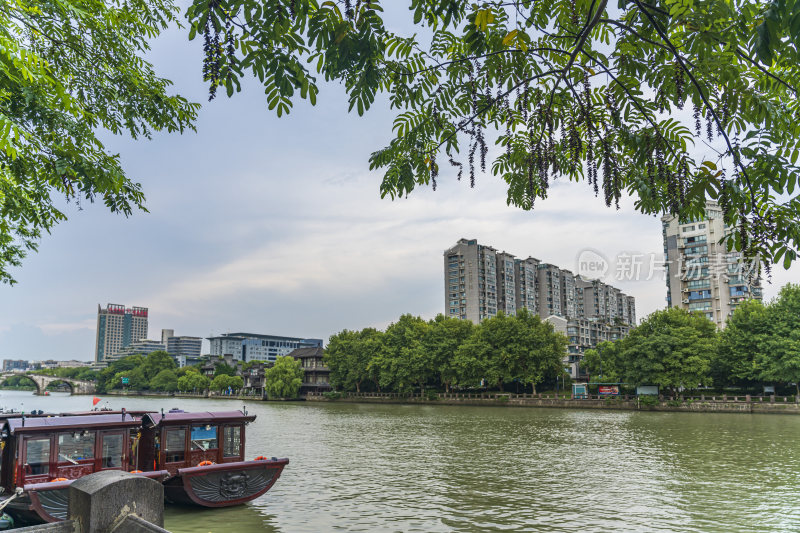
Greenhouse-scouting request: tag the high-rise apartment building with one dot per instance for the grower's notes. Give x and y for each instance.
(117, 327)
(470, 281)
(702, 275)
(549, 290)
(479, 281)
(569, 304)
(506, 283)
(526, 292)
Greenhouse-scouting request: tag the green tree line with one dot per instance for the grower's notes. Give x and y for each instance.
(446, 353)
(156, 371)
(673, 348)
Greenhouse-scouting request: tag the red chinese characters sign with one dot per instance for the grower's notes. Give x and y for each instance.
(608, 390)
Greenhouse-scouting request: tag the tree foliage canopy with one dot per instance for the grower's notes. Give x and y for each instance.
(165, 380)
(284, 378)
(193, 381)
(447, 352)
(671, 348)
(223, 382)
(761, 343)
(348, 355)
(621, 95)
(68, 69)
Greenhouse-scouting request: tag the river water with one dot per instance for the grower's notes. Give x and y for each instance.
(377, 468)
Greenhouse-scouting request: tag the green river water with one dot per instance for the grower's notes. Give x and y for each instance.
(386, 468)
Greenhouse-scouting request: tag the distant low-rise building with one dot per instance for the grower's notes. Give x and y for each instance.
(257, 347)
(141, 347)
(316, 374)
(15, 365)
(72, 363)
(185, 350)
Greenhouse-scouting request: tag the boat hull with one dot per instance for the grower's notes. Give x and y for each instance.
(48, 502)
(223, 485)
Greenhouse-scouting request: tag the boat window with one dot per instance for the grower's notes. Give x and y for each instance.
(37, 456)
(112, 451)
(175, 445)
(204, 438)
(74, 447)
(232, 441)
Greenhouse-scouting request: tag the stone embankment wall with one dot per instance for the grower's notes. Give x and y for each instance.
(717, 404)
(157, 394)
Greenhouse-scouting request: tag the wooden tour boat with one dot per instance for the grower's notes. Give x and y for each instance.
(41, 456)
(198, 456)
(204, 455)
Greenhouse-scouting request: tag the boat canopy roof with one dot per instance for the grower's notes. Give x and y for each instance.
(56, 423)
(178, 418)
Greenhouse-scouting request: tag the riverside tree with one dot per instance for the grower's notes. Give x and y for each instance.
(602, 363)
(165, 380)
(740, 357)
(71, 68)
(671, 348)
(348, 355)
(193, 381)
(446, 352)
(443, 338)
(404, 362)
(620, 95)
(519, 348)
(780, 357)
(284, 378)
(157, 361)
(223, 382)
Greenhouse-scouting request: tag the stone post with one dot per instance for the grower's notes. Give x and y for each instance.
(101, 502)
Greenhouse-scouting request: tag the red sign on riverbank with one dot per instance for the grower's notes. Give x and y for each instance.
(608, 390)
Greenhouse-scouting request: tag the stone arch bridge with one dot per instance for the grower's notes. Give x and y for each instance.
(76, 386)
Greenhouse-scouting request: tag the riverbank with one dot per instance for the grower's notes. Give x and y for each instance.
(697, 404)
(154, 394)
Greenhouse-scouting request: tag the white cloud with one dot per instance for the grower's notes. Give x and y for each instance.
(57, 328)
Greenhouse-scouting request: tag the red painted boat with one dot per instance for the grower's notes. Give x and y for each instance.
(42, 455)
(204, 455)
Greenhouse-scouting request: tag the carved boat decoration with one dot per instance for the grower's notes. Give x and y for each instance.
(204, 455)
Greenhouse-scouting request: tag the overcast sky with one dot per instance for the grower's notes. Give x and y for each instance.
(276, 226)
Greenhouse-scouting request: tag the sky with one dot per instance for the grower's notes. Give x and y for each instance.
(276, 226)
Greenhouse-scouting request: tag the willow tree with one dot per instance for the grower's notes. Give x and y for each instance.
(671, 101)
